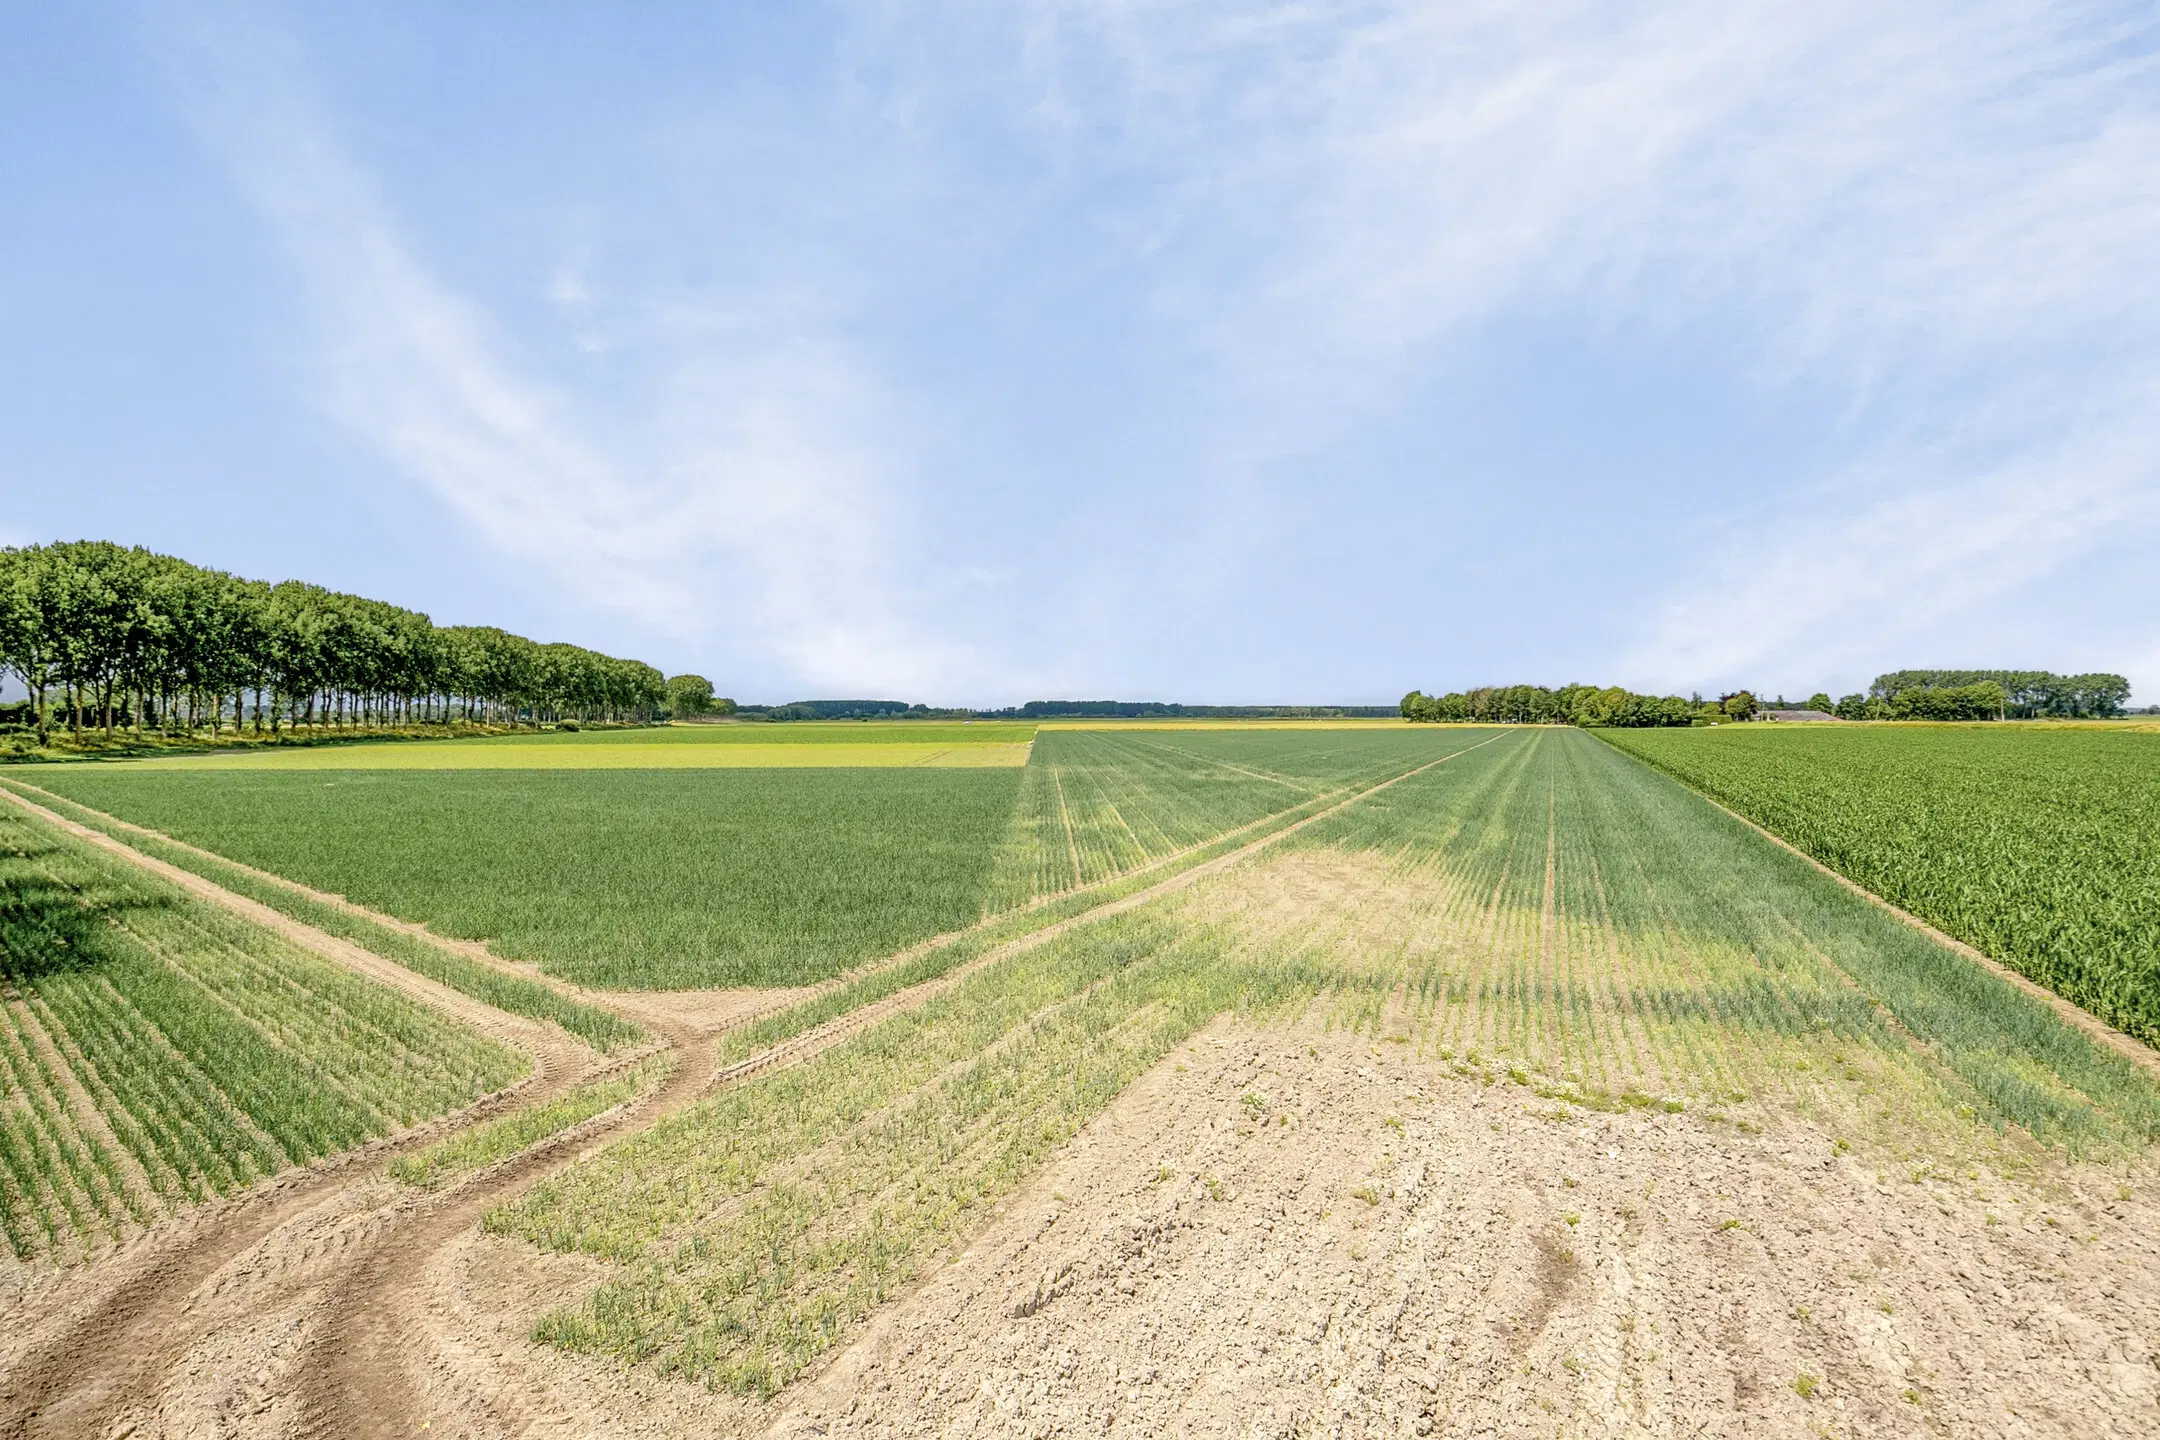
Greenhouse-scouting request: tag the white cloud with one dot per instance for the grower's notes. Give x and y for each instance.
(1857, 574)
(1935, 221)
(766, 513)
(1944, 213)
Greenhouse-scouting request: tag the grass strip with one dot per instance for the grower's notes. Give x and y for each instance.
(606, 1032)
(495, 1140)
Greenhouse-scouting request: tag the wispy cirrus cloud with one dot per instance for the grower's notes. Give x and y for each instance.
(1934, 222)
(1917, 233)
(747, 494)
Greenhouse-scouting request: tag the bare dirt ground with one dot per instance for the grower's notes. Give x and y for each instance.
(1291, 1232)
(1283, 1231)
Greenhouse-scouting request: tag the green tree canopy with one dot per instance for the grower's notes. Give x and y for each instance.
(134, 637)
(689, 696)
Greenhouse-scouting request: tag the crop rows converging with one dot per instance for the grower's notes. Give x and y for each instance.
(156, 1051)
(1536, 908)
(1562, 909)
(1095, 804)
(2039, 846)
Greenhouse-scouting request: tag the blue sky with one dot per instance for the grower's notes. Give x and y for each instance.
(980, 352)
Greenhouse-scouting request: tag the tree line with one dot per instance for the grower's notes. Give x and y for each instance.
(2026, 694)
(116, 638)
(1983, 700)
(1900, 695)
(1574, 705)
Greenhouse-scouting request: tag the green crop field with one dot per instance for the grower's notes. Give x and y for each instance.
(155, 1051)
(1538, 910)
(668, 878)
(616, 878)
(2039, 845)
(1094, 804)
(601, 1029)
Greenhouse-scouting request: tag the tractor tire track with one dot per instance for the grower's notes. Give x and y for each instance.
(74, 1380)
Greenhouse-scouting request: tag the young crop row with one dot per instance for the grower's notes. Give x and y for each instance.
(1096, 804)
(1539, 908)
(756, 1230)
(604, 1030)
(2035, 845)
(478, 1146)
(1592, 921)
(158, 1051)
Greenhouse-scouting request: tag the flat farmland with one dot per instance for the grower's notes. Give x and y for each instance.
(677, 747)
(620, 879)
(1536, 913)
(662, 878)
(1164, 1082)
(1096, 803)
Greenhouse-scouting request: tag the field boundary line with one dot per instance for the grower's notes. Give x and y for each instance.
(806, 1045)
(2128, 1046)
(879, 964)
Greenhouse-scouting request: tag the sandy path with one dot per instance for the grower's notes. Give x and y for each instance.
(355, 1375)
(1367, 1246)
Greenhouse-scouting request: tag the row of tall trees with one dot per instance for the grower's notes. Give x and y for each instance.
(1571, 705)
(2026, 694)
(107, 637)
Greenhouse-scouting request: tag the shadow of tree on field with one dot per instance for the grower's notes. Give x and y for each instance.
(50, 929)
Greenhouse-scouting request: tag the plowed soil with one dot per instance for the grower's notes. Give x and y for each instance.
(1292, 1232)
(1285, 1231)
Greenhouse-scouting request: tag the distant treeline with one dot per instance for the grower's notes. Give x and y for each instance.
(1902, 695)
(1572, 705)
(1051, 710)
(848, 710)
(2026, 694)
(112, 637)
(1144, 709)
